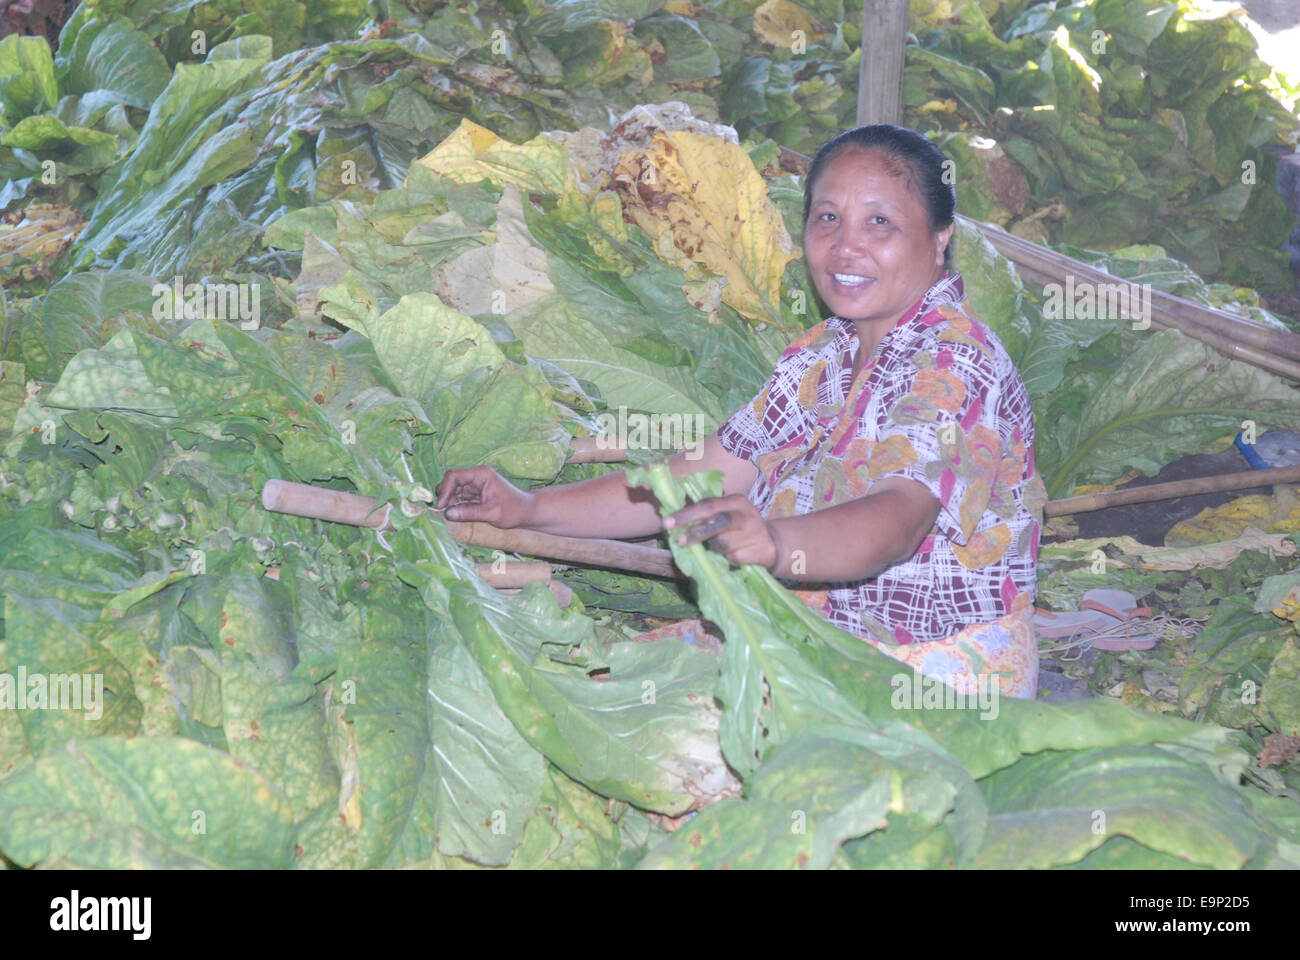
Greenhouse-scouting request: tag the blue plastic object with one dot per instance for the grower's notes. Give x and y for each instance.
(1276, 448)
(1248, 451)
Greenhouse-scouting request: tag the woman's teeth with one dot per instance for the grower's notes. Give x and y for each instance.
(849, 279)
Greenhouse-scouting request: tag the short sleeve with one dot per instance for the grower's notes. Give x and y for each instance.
(939, 427)
(778, 415)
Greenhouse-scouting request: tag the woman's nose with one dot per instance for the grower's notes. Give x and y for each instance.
(849, 239)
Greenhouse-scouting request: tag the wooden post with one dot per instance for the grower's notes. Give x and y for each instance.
(880, 74)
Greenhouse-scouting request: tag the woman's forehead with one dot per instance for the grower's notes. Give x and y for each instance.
(872, 161)
(894, 176)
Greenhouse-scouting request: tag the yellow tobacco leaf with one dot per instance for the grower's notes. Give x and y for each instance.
(703, 202)
(472, 153)
(32, 240)
(1279, 513)
(776, 21)
(1218, 555)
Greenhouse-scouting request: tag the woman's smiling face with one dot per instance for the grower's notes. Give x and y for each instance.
(868, 224)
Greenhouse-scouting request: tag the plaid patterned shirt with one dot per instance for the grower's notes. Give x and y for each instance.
(942, 404)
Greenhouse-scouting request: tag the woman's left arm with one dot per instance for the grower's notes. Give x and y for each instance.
(852, 541)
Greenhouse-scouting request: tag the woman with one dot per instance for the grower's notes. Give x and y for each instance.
(885, 470)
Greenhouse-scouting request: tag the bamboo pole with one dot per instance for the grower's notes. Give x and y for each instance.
(305, 500)
(880, 71)
(1044, 265)
(1244, 480)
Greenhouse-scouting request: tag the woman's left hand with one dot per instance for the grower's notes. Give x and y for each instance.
(732, 525)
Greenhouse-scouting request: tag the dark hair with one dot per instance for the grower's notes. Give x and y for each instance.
(922, 162)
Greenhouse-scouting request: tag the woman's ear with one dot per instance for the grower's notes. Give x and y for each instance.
(941, 243)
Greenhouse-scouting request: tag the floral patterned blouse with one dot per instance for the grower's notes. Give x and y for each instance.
(942, 404)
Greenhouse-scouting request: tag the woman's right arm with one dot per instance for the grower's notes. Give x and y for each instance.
(601, 507)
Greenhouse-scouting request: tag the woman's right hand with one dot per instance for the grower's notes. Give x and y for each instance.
(481, 494)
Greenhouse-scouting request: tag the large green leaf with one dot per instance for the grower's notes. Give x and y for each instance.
(646, 733)
(270, 718)
(27, 83)
(1054, 808)
(504, 418)
(111, 377)
(83, 310)
(1169, 397)
(430, 762)
(552, 329)
(114, 56)
(73, 150)
(421, 342)
(815, 793)
(143, 803)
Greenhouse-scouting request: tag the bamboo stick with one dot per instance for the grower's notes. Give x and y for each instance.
(319, 503)
(1244, 480)
(1049, 266)
(515, 573)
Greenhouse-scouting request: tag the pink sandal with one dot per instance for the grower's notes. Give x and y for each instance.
(1109, 619)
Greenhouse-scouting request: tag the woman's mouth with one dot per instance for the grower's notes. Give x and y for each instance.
(849, 282)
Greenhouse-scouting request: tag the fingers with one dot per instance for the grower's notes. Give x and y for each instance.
(472, 512)
(731, 525)
(704, 529)
(703, 511)
(465, 483)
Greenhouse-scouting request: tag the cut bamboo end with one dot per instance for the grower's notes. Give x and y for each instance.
(515, 573)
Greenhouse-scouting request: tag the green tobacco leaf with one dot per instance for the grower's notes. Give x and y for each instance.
(1054, 808)
(488, 779)
(423, 343)
(992, 288)
(128, 640)
(1169, 397)
(1279, 698)
(643, 308)
(1124, 853)
(73, 686)
(77, 572)
(27, 83)
(647, 734)
(553, 330)
(142, 803)
(81, 311)
(269, 716)
(183, 147)
(503, 418)
(116, 57)
(1230, 655)
(430, 763)
(570, 830)
(815, 793)
(754, 653)
(111, 377)
(13, 390)
(74, 150)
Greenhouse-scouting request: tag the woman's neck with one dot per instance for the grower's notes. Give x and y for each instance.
(869, 336)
